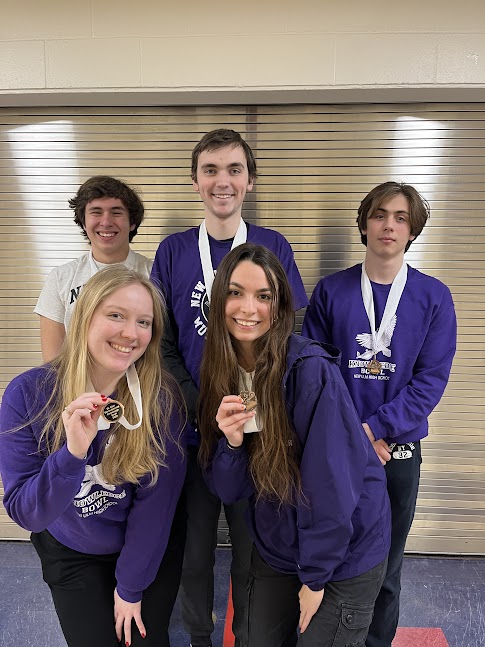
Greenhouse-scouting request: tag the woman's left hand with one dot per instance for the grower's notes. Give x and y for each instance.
(125, 612)
(309, 604)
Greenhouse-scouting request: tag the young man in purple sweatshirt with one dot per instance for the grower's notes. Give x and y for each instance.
(223, 171)
(396, 328)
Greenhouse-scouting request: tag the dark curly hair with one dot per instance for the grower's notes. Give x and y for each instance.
(104, 186)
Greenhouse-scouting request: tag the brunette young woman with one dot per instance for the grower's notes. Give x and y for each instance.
(319, 512)
(98, 486)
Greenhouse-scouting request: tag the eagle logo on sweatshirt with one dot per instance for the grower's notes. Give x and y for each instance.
(92, 477)
(365, 340)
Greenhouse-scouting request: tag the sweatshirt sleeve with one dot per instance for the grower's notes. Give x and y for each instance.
(315, 324)
(332, 471)
(37, 488)
(150, 521)
(161, 277)
(227, 475)
(414, 403)
(287, 259)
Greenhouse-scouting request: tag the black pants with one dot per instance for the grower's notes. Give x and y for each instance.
(402, 485)
(197, 590)
(342, 619)
(82, 588)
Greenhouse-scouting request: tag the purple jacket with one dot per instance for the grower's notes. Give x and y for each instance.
(343, 528)
(70, 499)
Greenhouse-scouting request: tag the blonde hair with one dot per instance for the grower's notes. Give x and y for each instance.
(131, 454)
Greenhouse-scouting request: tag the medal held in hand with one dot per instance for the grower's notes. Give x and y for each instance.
(249, 400)
(374, 366)
(113, 411)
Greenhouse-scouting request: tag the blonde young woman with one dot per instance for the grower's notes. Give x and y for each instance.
(99, 487)
(278, 426)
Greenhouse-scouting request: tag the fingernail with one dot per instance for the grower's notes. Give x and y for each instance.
(143, 635)
(127, 644)
(95, 406)
(103, 397)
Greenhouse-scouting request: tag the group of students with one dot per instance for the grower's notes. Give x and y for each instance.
(168, 391)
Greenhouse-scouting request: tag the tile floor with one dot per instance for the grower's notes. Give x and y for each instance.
(443, 602)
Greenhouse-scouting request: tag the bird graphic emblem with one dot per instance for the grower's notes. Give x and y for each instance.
(92, 477)
(365, 340)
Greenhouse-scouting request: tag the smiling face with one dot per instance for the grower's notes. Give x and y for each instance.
(107, 225)
(119, 332)
(249, 303)
(388, 229)
(222, 181)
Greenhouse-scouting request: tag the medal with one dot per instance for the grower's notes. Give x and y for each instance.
(374, 366)
(113, 411)
(379, 340)
(249, 400)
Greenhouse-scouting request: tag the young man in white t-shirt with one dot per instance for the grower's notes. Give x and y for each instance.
(109, 213)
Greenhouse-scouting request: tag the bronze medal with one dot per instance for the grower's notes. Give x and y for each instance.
(249, 400)
(113, 411)
(374, 367)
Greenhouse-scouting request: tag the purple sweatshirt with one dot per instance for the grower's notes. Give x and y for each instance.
(68, 496)
(395, 404)
(177, 269)
(343, 528)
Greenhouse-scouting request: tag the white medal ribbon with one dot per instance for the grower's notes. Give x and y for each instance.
(134, 388)
(205, 252)
(392, 303)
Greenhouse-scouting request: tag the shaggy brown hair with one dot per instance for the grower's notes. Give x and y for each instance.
(419, 211)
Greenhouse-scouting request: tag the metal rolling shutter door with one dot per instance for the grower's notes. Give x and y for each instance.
(316, 162)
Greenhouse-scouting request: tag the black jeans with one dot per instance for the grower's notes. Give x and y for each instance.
(342, 619)
(197, 589)
(82, 588)
(402, 485)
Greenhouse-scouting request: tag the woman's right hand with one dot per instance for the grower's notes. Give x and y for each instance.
(231, 417)
(80, 419)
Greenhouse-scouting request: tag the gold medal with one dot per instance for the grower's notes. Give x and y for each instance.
(249, 400)
(374, 367)
(113, 411)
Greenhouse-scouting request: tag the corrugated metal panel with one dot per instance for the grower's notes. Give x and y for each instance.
(316, 163)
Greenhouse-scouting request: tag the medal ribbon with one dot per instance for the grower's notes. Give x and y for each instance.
(392, 302)
(205, 252)
(134, 388)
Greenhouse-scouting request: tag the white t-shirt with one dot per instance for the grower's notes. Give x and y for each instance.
(63, 284)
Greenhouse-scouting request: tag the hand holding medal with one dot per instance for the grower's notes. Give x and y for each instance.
(80, 419)
(231, 418)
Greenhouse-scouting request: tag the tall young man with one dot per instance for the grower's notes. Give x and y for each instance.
(108, 213)
(396, 328)
(223, 170)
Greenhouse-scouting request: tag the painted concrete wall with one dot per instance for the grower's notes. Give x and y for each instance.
(172, 51)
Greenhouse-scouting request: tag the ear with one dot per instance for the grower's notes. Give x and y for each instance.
(132, 227)
(196, 186)
(250, 185)
(412, 237)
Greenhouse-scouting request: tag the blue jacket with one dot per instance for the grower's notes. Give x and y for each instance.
(341, 528)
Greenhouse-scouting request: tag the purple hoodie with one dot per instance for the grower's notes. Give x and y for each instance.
(68, 496)
(343, 528)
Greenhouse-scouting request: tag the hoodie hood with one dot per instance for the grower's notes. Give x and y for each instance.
(301, 347)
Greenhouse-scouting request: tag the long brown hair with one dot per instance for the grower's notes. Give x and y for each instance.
(273, 460)
(131, 454)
